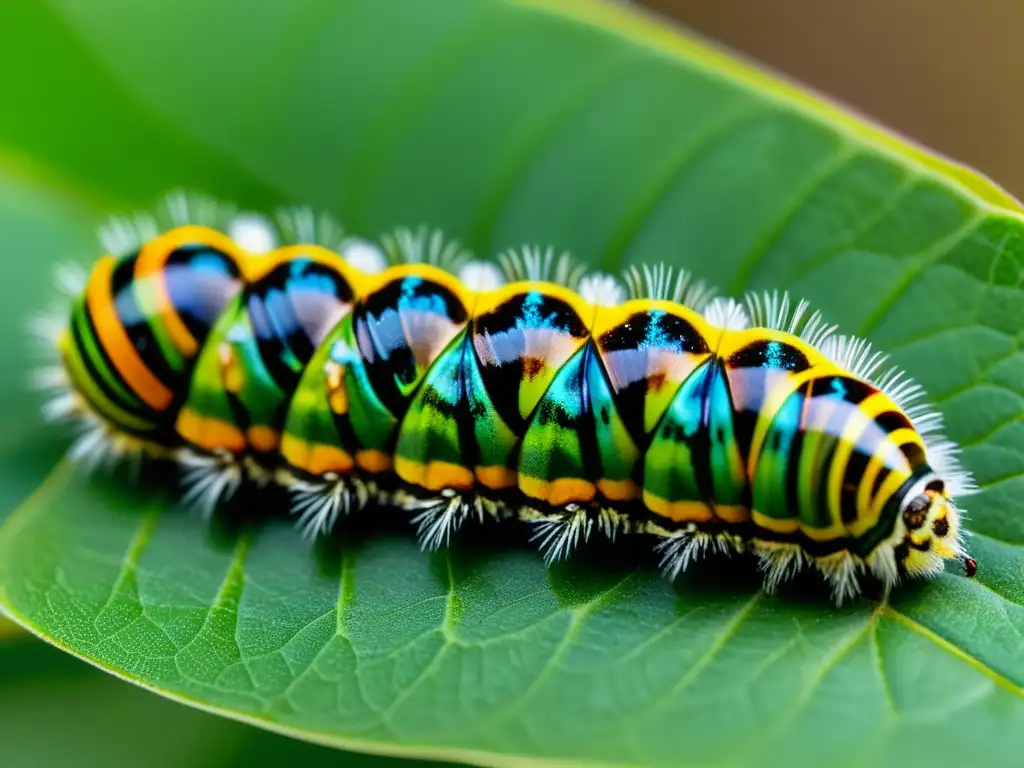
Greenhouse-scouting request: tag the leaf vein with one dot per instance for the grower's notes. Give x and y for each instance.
(996, 677)
(821, 174)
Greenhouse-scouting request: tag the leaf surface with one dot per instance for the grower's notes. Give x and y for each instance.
(589, 127)
(42, 690)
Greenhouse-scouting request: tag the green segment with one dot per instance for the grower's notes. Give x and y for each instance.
(551, 446)
(83, 381)
(815, 460)
(259, 395)
(769, 486)
(616, 449)
(430, 429)
(728, 476)
(496, 443)
(309, 417)
(669, 471)
(91, 352)
(146, 297)
(206, 394)
(371, 421)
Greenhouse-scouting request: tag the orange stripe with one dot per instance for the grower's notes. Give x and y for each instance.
(209, 433)
(146, 266)
(558, 492)
(263, 438)
(434, 475)
(373, 461)
(618, 490)
(315, 458)
(150, 264)
(116, 343)
(496, 478)
(679, 511)
(732, 513)
(154, 254)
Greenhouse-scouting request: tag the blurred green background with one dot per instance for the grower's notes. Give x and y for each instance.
(945, 72)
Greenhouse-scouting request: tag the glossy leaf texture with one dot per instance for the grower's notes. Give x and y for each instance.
(595, 129)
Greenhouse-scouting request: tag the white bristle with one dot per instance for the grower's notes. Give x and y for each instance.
(253, 232)
(364, 255)
(481, 276)
(602, 289)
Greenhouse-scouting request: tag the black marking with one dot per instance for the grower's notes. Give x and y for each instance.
(385, 333)
(201, 282)
(775, 355)
(347, 437)
(941, 527)
(654, 328)
(292, 309)
(915, 455)
(499, 339)
(136, 325)
(466, 418)
(891, 421)
(637, 337)
(796, 449)
(852, 480)
(135, 407)
(876, 485)
(901, 552)
(844, 388)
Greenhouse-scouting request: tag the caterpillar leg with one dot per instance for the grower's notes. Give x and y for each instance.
(680, 548)
(210, 478)
(319, 503)
(841, 570)
(559, 534)
(438, 517)
(778, 561)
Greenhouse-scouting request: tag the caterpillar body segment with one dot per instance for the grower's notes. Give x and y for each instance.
(709, 424)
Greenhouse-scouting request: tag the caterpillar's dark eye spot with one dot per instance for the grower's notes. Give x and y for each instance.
(916, 512)
(941, 527)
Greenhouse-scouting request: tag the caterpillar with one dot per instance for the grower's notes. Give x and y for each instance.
(350, 373)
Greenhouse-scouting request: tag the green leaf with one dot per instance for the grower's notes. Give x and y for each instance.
(43, 690)
(590, 127)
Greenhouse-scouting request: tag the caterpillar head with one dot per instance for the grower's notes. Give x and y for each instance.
(932, 529)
